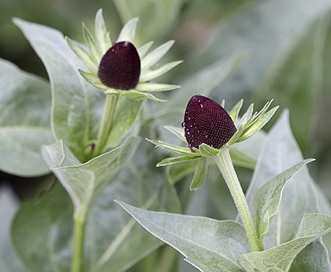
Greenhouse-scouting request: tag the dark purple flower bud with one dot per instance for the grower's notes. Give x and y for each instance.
(120, 66)
(206, 122)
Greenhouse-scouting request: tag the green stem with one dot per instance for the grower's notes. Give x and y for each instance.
(77, 262)
(106, 123)
(224, 164)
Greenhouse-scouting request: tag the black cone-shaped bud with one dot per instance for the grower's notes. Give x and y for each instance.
(207, 122)
(119, 68)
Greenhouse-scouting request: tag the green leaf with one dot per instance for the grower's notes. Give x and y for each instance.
(200, 173)
(25, 105)
(282, 256)
(76, 104)
(300, 196)
(316, 254)
(207, 244)
(41, 232)
(280, 152)
(83, 181)
(120, 241)
(8, 257)
(113, 242)
(267, 199)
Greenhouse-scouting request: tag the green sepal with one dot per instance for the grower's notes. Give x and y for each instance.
(206, 151)
(102, 38)
(184, 151)
(174, 160)
(142, 50)
(85, 57)
(250, 123)
(154, 56)
(200, 173)
(152, 74)
(177, 131)
(155, 87)
(93, 79)
(91, 44)
(134, 95)
(128, 31)
(257, 123)
(234, 113)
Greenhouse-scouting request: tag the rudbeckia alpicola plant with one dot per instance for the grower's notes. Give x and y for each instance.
(79, 134)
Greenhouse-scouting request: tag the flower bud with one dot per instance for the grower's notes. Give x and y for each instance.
(207, 122)
(119, 68)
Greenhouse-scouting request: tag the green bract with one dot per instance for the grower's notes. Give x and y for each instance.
(97, 46)
(246, 126)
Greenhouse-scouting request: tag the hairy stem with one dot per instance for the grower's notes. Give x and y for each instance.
(224, 164)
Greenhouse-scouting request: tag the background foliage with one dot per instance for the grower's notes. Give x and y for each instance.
(254, 50)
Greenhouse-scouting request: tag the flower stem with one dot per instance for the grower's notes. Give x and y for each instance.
(77, 262)
(224, 164)
(106, 123)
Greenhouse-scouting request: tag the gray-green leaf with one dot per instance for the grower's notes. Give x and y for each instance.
(83, 181)
(281, 257)
(267, 199)
(77, 106)
(25, 105)
(208, 244)
(41, 232)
